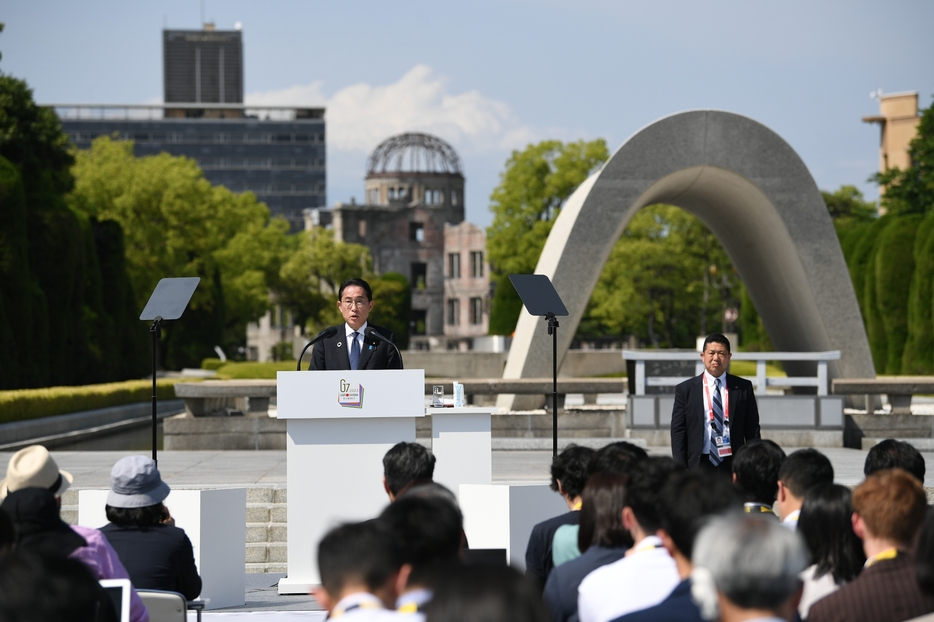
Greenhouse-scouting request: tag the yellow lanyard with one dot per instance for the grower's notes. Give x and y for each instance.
(886, 554)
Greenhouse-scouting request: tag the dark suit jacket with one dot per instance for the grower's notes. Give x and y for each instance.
(689, 416)
(885, 592)
(333, 353)
(678, 607)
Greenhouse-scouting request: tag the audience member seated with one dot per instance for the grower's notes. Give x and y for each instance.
(755, 475)
(568, 477)
(746, 567)
(428, 533)
(616, 458)
(486, 593)
(888, 510)
(689, 500)
(835, 553)
(647, 574)
(156, 553)
(800, 472)
(33, 467)
(890, 453)
(602, 540)
(34, 588)
(406, 465)
(359, 568)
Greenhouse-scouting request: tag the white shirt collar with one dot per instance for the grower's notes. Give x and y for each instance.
(349, 331)
(709, 378)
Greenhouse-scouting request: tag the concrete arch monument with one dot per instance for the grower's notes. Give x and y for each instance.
(754, 193)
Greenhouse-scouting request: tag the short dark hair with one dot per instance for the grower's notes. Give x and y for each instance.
(570, 468)
(51, 589)
(428, 533)
(492, 593)
(357, 282)
(601, 519)
(137, 517)
(827, 528)
(756, 466)
(804, 469)
(363, 553)
(406, 463)
(688, 500)
(616, 458)
(891, 453)
(716, 338)
(644, 487)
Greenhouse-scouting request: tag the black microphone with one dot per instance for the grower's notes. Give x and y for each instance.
(327, 332)
(370, 332)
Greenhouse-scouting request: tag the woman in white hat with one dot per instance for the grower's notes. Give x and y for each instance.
(156, 553)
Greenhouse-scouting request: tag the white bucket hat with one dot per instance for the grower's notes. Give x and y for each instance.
(33, 467)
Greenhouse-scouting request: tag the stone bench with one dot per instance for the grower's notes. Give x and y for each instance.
(899, 389)
(213, 397)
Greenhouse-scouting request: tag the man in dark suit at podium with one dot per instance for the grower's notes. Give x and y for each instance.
(356, 344)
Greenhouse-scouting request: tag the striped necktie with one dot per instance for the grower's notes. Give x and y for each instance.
(717, 423)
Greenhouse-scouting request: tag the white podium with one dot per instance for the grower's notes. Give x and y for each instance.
(461, 442)
(340, 425)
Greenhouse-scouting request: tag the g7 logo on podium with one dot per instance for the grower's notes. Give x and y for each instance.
(350, 396)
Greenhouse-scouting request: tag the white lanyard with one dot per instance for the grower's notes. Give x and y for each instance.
(723, 396)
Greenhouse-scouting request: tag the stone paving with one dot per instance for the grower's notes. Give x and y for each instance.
(202, 469)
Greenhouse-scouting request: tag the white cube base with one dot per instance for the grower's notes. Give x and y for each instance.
(501, 516)
(214, 521)
(461, 443)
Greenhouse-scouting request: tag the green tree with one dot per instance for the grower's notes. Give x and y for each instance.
(666, 281)
(310, 277)
(177, 224)
(912, 190)
(918, 356)
(393, 308)
(534, 185)
(63, 332)
(847, 202)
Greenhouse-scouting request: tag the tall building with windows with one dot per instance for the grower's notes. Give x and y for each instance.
(414, 192)
(466, 285)
(276, 152)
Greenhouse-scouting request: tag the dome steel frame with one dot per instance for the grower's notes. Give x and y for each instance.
(411, 153)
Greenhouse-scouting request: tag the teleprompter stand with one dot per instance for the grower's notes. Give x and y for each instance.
(540, 298)
(167, 302)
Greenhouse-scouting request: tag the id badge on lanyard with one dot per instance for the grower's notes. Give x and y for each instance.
(720, 443)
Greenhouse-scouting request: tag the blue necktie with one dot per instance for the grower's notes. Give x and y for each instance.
(355, 352)
(717, 424)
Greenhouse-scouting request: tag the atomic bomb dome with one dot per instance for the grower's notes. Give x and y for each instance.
(414, 169)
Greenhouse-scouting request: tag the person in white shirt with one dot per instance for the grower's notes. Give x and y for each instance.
(360, 570)
(647, 574)
(801, 471)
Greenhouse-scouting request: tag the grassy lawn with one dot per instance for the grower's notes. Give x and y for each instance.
(748, 368)
(249, 370)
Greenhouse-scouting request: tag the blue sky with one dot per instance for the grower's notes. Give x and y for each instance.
(490, 77)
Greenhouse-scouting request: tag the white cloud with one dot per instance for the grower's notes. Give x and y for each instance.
(360, 116)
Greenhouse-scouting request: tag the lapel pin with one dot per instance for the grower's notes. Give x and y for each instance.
(339, 344)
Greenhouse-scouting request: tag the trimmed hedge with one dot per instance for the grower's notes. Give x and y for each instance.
(212, 364)
(248, 370)
(24, 404)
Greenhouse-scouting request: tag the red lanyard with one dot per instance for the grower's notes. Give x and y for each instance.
(723, 396)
